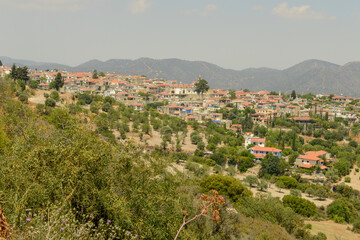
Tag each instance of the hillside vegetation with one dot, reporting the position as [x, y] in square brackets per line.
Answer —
[62, 180]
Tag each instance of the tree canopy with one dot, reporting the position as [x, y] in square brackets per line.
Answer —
[201, 86]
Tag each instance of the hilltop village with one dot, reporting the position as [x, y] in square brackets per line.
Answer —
[303, 149]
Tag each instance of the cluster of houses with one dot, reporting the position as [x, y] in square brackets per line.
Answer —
[307, 161]
[185, 103]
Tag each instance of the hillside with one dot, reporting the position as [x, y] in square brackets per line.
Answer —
[309, 76]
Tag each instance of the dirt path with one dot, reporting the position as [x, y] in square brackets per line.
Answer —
[333, 231]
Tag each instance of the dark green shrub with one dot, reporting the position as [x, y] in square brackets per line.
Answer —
[300, 205]
[225, 185]
[50, 102]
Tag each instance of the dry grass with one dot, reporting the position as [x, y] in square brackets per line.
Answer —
[333, 231]
[355, 181]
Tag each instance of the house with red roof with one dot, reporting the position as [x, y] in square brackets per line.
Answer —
[261, 152]
[311, 159]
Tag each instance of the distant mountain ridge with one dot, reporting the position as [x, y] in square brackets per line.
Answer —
[313, 76]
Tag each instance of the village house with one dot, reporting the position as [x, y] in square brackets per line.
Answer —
[312, 158]
[261, 152]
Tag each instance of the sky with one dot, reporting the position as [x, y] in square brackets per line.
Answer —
[234, 34]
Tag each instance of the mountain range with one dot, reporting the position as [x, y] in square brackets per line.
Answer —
[315, 76]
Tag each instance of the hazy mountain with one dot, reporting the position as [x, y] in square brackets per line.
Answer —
[309, 76]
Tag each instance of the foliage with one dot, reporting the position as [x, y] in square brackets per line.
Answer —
[33, 84]
[23, 97]
[299, 205]
[87, 98]
[321, 193]
[343, 209]
[272, 165]
[251, 180]
[201, 86]
[50, 102]
[106, 107]
[289, 182]
[226, 185]
[55, 95]
[58, 82]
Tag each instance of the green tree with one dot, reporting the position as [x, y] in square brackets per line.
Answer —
[201, 86]
[293, 94]
[146, 128]
[55, 95]
[272, 165]
[262, 185]
[1, 63]
[321, 193]
[101, 74]
[251, 180]
[309, 191]
[232, 94]
[341, 208]
[106, 107]
[332, 174]
[58, 82]
[13, 73]
[301, 206]
[19, 73]
[50, 102]
[33, 84]
[23, 97]
[225, 185]
[95, 74]
[289, 182]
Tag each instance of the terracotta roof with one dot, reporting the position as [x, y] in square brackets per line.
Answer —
[306, 165]
[265, 149]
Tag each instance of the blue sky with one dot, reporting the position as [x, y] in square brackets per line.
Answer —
[233, 34]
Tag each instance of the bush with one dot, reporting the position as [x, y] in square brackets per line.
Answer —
[225, 185]
[46, 95]
[356, 226]
[94, 108]
[55, 95]
[341, 210]
[50, 102]
[295, 192]
[244, 163]
[347, 179]
[23, 97]
[219, 158]
[33, 84]
[180, 156]
[289, 182]
[251, 180]
[106, 107]
[81, 102]
[301, 206]
[321, 193]
[86, 98]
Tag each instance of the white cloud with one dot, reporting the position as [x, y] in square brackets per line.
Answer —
[139, 6]
[301, 12]
[209, 9]
[258, 8]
